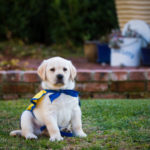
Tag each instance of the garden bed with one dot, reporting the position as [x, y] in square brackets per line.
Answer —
[79, 62]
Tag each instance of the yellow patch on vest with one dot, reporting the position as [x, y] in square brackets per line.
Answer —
[36, 99]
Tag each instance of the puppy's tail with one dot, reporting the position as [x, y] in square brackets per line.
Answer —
[15, 133]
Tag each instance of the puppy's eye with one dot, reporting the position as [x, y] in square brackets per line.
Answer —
[52, 69]
[65, 69]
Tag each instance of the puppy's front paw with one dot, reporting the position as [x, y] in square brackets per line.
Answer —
[56, 138]
[31, 136]
[81, 134]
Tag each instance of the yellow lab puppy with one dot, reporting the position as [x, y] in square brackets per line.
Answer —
[57, 106]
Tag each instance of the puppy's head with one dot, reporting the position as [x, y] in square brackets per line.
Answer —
[57, 73]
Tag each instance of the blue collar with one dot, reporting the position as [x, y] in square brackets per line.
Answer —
[56, 93]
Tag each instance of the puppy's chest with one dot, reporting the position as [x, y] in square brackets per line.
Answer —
[64, 108]
[64, 117]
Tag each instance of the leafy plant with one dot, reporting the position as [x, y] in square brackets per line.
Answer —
[131, 33]
[116, 37]
[9, 64]
[115, 40]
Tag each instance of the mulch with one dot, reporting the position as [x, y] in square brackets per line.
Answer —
[80, 63]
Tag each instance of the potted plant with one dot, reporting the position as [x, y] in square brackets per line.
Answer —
[103, 50]
[125, 50]
[90, 50]
[146, 55]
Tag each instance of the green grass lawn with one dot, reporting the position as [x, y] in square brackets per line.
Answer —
[110, 124]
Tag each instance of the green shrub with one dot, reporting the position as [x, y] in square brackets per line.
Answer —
[56, 21]
[19, 19]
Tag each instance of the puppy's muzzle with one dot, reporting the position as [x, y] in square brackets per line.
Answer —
[59, 79]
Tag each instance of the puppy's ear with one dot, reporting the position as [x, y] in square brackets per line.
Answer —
[73, 71]
[42, 70]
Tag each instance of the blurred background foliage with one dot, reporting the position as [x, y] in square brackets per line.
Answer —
[56, 21]
[39, 29]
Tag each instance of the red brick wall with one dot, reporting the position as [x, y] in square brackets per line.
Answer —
[90, 83]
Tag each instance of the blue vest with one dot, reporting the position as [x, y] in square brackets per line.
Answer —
[54, 95]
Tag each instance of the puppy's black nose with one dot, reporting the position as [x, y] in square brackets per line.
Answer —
[60, 76]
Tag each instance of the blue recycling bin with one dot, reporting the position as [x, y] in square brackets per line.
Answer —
[103, 53]
[146, 56]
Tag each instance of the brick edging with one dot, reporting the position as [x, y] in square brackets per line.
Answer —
[121, 83]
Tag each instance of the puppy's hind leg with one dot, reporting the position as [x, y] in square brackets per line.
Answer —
[27, 125]
[15, 133]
